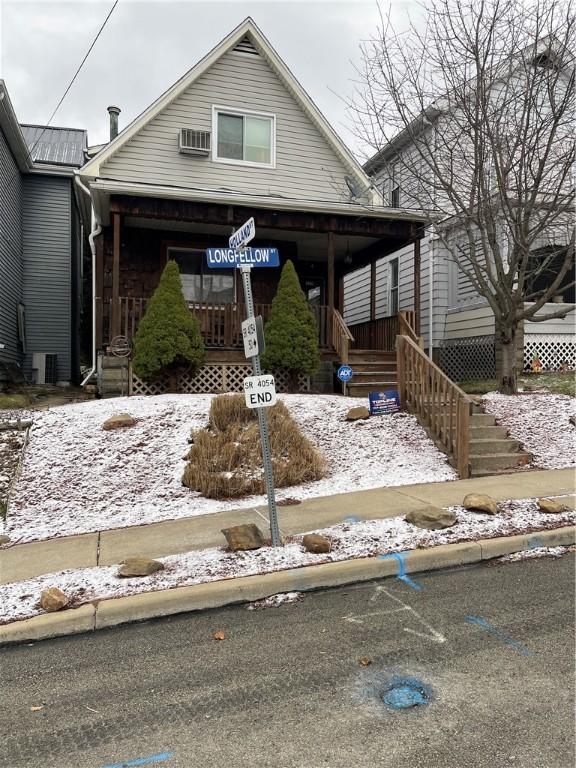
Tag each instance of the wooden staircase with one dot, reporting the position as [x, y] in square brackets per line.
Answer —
[490, 450]
[374, 370]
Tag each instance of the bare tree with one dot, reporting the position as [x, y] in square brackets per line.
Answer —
[478, 96]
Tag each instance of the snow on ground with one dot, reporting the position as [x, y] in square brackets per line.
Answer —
[540, 422]
[369, 538]
[537, 552]
[283, 598]
[77, 478]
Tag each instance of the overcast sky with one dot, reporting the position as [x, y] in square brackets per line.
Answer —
[148, 44]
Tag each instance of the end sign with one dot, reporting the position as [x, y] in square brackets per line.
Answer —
[259, 391]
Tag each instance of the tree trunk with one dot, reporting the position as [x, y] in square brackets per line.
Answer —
[506, 357]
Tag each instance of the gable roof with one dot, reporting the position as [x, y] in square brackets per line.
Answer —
[247, 34]
[12, 131]
[56, 146]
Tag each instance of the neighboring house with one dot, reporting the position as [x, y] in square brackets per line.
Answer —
[456, 323]
[235, 137]
[40, 247]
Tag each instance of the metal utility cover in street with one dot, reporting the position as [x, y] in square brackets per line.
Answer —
[224, 258]
[243, 234]
[253, 336]
[259, 391]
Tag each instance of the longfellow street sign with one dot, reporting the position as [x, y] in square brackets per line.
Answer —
[224, 258]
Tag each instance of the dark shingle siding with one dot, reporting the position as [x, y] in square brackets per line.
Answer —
[57, 146]
[10, 253]
[47, 269]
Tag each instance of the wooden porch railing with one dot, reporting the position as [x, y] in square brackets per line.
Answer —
[341, 336]
[376, 334]
[436, 401]
[220, 324]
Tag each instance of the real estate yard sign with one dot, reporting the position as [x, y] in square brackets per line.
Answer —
[384, 402]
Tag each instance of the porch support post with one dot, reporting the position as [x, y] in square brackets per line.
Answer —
[417, 270]
[99, 267]
[331, 270]
[115, 308]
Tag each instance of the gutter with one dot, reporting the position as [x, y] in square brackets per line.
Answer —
[96, 229]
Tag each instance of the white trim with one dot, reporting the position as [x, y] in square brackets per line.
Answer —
[247, 28]
[224, 110]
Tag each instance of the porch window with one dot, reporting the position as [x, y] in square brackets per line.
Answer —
[246, 138]
[199, 283]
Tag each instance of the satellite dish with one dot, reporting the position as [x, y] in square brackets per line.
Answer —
[352, 186]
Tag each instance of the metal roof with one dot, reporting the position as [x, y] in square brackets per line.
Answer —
[57, 146]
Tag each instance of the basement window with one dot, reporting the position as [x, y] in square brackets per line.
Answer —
[246, 138]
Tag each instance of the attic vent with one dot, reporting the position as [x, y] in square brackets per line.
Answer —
[194, 142]
[245, 46]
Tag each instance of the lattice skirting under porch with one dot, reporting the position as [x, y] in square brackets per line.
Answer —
[470, 358]
[213, 378]
[555, 351]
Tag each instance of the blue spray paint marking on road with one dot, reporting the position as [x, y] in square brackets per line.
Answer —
[405, 693]
[402, 575]
[351, 519]
[535, 542]
[480, 622]
[150, 760]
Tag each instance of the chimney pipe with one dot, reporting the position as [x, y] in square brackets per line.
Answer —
[113, 112]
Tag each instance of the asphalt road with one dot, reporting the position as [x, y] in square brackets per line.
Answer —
[490, 648]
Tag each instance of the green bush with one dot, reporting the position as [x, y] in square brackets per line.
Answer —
[291, 333]
[168, 339]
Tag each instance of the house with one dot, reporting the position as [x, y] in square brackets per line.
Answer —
[236, 137]
[40, 250]
[456, 322]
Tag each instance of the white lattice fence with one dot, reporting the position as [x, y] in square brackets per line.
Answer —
[470, 358]
[554, 350]
[222, 377]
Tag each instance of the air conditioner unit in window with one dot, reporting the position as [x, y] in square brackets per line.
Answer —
[194, 142]
[44, 368]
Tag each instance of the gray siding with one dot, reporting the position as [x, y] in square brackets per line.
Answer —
[10, 254]
[47, 269]
[307, 167]
[558, 325]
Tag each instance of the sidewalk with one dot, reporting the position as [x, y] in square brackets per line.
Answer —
[23, 561]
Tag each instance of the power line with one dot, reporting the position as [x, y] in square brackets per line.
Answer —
[70, 84]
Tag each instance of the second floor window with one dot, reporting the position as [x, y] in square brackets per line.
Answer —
[244, 138]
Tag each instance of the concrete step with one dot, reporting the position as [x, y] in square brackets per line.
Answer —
[493, 447]
[487, 433]
[487, 464]
[482, 420]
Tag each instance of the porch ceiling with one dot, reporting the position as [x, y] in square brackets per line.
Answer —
[312, 246]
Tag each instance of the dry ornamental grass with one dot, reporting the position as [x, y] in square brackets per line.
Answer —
[225, 460]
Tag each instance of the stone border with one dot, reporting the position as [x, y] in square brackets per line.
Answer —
[215, 594]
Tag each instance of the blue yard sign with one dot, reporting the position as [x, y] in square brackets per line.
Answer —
[384, 402]
[224, 258]
[345, 373]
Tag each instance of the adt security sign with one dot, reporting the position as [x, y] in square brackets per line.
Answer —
[345, 373]
[259, 391]
[243, 235]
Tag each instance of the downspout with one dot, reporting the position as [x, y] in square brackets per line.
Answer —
[431, 241]
[96, 229]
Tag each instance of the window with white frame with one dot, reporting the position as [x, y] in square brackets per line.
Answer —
[243, 137]
[393, 287]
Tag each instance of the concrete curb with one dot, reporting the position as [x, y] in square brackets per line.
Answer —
[216, 594]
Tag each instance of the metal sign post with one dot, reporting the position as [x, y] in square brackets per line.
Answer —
[245, 270]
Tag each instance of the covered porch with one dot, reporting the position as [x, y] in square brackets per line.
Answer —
[141, 233]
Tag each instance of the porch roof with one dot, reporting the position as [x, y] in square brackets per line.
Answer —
[103, 189]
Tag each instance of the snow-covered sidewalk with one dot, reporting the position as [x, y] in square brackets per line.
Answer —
[349, 540]
[77, 478]
[540, 421]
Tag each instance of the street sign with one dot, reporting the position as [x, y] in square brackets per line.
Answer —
[253, 336]
[243, 235]
[345, 373]
[384, 402]
[224, 258]
[259, 391]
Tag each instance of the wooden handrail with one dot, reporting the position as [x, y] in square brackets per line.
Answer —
[436, 401]
[341, 336]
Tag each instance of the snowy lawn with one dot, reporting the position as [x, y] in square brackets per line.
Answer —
[77, 478]
[369, 538]
[540, 421]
